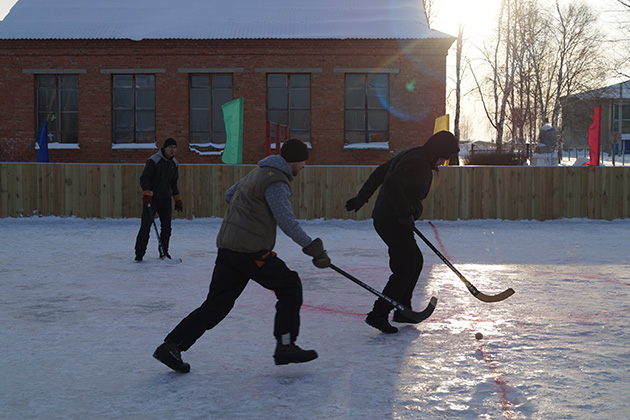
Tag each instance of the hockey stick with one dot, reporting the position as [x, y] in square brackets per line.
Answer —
[407, 312]
[160, 246]
[472, 289]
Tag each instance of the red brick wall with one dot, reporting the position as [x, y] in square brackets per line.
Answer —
[417, 92]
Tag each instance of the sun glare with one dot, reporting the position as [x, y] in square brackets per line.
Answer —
[477, 16]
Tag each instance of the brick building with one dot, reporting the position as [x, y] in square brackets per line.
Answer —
[358, 80]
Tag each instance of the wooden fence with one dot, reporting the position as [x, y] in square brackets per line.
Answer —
[464, 192]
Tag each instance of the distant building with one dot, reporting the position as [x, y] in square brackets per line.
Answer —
[577, 114]
[358, 80]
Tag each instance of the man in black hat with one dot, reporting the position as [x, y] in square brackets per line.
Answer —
[405, 181]
[257, 204]
[159, 184]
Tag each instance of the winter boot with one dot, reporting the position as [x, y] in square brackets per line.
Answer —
[169, 354]
[138, 258]
[380, 322]
[291, 353]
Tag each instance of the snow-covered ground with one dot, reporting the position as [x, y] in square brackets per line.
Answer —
[606, 159]
[80, 320]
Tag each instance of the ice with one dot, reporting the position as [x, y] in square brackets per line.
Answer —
[80, 321]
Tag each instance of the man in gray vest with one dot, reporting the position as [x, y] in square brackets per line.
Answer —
[257, 204]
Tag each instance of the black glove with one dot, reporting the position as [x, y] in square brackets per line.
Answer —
[355, 203]
[407, 221]
[316, 250]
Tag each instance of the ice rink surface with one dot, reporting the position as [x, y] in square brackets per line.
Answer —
[79, 322]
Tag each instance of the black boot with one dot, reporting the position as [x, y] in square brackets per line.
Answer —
[169, 354]
[291, 353]
[380, 322]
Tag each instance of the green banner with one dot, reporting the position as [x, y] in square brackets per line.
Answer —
[233, 118]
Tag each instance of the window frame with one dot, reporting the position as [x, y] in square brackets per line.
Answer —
[621, 109]
[215, 134]
[294, 108]
[369, 108]
[135, 109]
[58, 132]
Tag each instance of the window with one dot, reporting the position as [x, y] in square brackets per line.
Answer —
[207, 94]
[134, 108]
[58, 100]
[622, 111]
[289, 103]
[366, 117]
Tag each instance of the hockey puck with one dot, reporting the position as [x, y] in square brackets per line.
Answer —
[478, 336]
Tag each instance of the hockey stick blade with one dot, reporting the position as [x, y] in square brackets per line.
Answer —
[407, 312]
[171, 260]
[420, 316]
[494, 298]
[471, 288]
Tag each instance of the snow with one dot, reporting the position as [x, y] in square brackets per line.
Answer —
[80, 321]
[203, 19]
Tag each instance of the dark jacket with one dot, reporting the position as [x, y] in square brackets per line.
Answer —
[405, 179]
[160, 176]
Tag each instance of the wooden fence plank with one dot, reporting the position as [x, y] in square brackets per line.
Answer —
[4, 189]
[468, 192]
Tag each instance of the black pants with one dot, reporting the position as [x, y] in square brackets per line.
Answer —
[161, 206]
[405, 262]
[232, 272]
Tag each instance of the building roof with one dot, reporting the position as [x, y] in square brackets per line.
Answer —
[616, 91]
[217, 19]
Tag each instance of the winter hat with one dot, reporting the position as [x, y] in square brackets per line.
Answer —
[169, 142]
[294, 150]
[441, 145]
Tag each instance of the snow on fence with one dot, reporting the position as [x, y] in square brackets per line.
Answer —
[464, 192]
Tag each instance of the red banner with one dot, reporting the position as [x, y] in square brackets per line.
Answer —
[594, 137]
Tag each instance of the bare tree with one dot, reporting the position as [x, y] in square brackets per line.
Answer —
[535, 58]
[430, 11]
[458, 86]
[578, 41]
[504, 57]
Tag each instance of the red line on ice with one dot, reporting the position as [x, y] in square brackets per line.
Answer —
[499, 381]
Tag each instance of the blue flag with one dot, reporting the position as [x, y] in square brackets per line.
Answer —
[42, 142]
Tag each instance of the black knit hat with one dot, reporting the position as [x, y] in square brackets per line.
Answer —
[441, 145]
[294, 150]
[169, 142]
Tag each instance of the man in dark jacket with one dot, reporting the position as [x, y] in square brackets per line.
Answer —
[257, 204]
[159, 184]
[405, 181]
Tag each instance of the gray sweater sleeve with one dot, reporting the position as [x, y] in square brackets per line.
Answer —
[278, 196]
[229, 193]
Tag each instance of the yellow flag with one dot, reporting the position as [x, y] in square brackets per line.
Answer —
[441, 124]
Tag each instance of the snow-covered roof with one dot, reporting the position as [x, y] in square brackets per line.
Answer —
[617, 91]
[217, 19]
